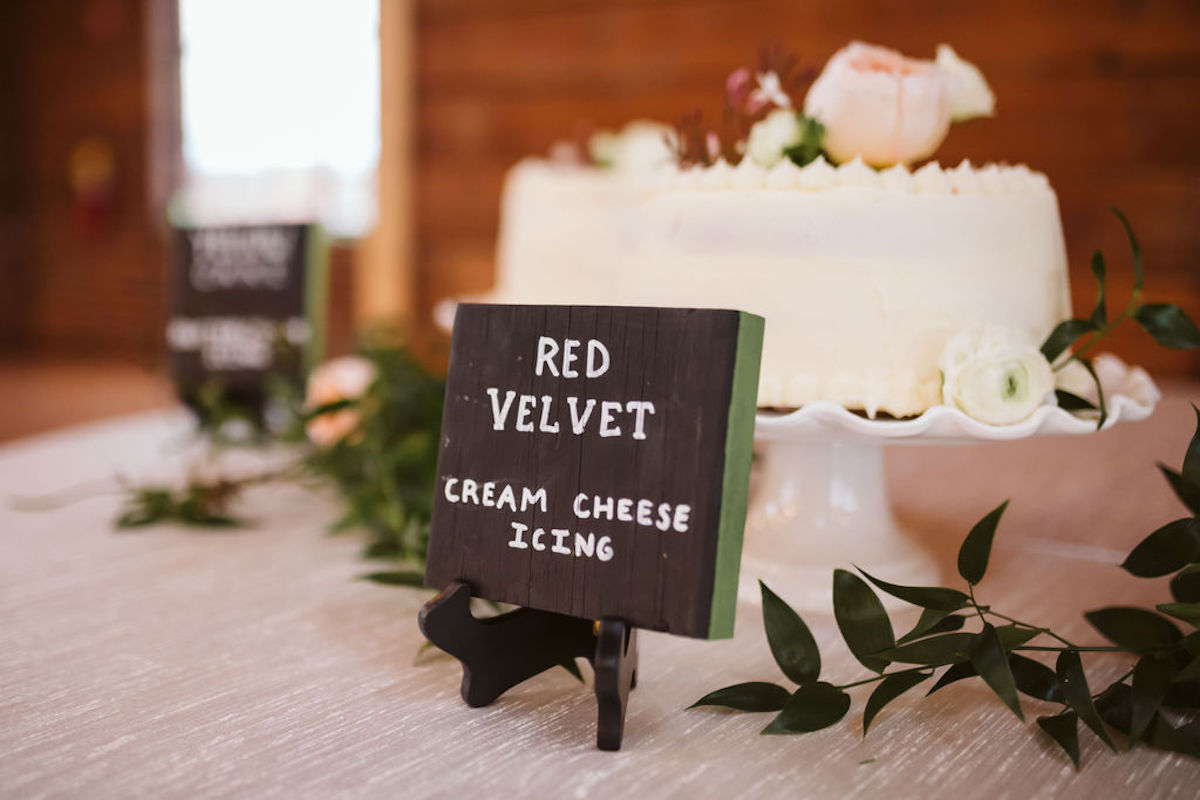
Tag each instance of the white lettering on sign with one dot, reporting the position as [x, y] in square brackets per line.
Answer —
[251, 258]
[531, 407]
[643, 512]
[548, 348]
[228, 343]
[585, 545]
[467, 490]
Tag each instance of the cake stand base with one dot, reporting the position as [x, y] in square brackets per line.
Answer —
[819, 506]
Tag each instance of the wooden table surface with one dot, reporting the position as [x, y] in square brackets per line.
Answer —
[178, 663]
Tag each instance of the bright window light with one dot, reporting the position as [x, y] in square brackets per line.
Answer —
[280, 110]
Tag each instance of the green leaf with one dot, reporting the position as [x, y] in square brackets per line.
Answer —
[938, 598]
[1064, 335]
[1102, 405]
[1185, 587]
[1079, 697]
[1189, 496]
[812, 137]
[977, 547]
[1189, 475]
[1064, 730]
[1135, 628]
[955, 673]
[1013, 636]
[932, 622]
[861, 619]
[928, 619]
[1183, 694]
[1163, 736]
[1073, 402]
[1100, 314]
[934, 651]
[1171, 547]
[812, 707]
[991, 662]
[1188, 612]
[1133, 247]
[1168, 325]
[791, 642]
[1035, 679]
[1114, 706]
[1191, 672]
[888, 690]
[753, 696]
[1151, 679]
[409, 578]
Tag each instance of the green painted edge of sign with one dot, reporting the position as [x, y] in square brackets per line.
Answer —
[735, 485]
[316, 293]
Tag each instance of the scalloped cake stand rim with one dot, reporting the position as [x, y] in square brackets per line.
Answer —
[1132, 397]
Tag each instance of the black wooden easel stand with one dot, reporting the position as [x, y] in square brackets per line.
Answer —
[499, 652]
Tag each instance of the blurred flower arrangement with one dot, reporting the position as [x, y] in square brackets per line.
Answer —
[367, 426]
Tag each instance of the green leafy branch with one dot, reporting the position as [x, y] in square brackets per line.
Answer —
[384, 469]
[1164, 681]
[1166, 323]
[200, 503]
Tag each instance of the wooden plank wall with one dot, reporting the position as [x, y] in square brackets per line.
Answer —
[81, 72]
[1103, 96]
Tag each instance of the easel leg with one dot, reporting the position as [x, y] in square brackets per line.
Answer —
[499, 652]
[616, 674]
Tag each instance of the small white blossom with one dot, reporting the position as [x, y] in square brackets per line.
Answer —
[770, 91]
[772, 135]
[971, 97]
[995, 374]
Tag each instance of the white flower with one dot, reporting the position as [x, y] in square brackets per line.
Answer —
[995, 374]
[346, 378]
[640, 146]
[770, 91]
[890, 109]
[972, 96]
[772, 135]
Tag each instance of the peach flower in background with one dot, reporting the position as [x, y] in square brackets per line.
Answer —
[346, 378]
[890, 109]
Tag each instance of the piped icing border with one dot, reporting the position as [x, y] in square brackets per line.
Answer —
[820, 175]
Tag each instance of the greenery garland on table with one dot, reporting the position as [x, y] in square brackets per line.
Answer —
[1146, 704]
[383, 468]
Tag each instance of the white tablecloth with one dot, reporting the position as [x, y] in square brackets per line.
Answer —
[183, 663]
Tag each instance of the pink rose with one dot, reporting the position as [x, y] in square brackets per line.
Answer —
[885, 107]
[346, 378]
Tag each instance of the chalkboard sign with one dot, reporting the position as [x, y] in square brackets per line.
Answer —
[246, 302]
[594, 461]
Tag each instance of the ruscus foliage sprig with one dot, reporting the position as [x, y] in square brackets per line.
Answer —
[1147, 704]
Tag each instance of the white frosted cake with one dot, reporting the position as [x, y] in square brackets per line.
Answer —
[564, 222]
[868, 275]
[861, 275]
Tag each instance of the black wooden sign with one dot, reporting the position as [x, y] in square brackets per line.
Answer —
[246, 302]
[594, 461]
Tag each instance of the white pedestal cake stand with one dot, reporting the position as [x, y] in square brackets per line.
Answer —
[821, 499]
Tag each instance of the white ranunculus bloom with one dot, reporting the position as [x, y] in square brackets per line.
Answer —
[772, 135]
[345, 378]
[972, 96]
[995, 374]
